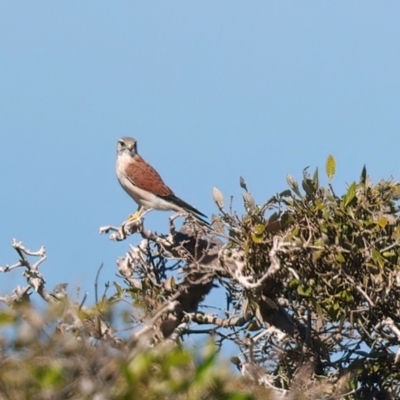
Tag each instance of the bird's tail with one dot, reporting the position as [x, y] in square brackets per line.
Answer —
[199, 216]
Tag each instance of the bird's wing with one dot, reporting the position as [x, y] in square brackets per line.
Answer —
[145, 177]
[180, 203]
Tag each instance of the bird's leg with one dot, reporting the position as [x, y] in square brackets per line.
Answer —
[137, 215]
[145, 212]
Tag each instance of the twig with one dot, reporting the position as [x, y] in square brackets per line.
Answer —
[96, 281]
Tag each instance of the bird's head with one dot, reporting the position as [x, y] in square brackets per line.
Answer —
[127, 145]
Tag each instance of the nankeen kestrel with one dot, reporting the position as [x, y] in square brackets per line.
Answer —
[143, 183]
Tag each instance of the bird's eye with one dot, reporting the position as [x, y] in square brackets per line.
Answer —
[121, 143]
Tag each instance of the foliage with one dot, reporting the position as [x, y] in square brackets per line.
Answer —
[53, 354]
[311, 289]
[334, 292]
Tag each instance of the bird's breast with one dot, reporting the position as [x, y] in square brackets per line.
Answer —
[142, 197]
[120, 169]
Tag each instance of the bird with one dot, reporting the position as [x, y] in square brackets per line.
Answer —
[144, 184]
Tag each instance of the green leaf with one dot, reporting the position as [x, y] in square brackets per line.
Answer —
[119, 288]
[353, 381]
[256, 238]
[205, 368]
[141, 364]
[382, 222]
[285, 193]
[316, 255]
[49, 376]
[350, 195]
[177, 358]
[293, 234]
[346, 296]
[242, 183]
[304, 291]
[377, 257]
[339, 257]
[294, 283]
[308, 187]
[333, 310]
[257, 234]
[259, 229]
[363, 177]
[7, 317]
[330, 167]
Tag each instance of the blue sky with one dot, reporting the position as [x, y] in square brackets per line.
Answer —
[211, 91]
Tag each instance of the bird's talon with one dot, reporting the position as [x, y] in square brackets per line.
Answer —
[133, 217]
